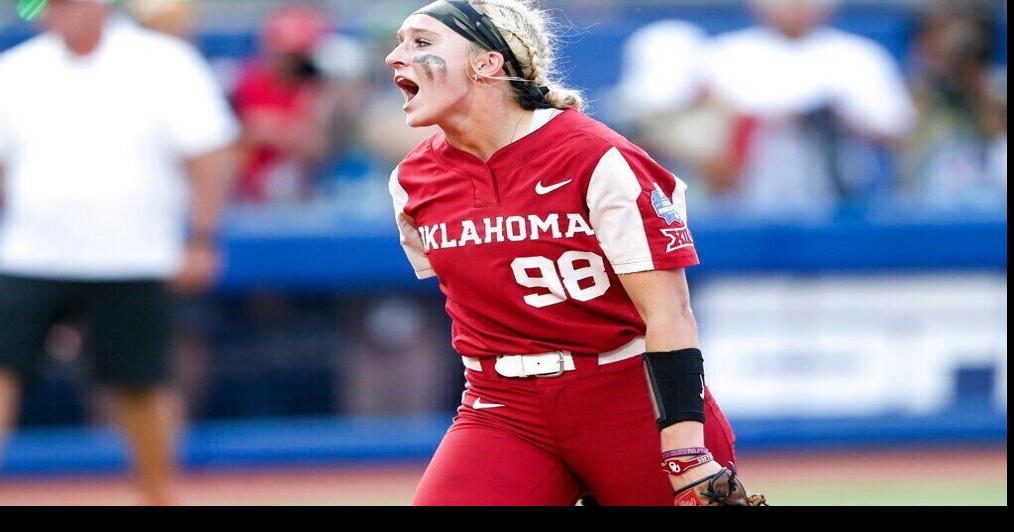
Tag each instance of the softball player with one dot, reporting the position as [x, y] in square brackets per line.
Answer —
[560, 247]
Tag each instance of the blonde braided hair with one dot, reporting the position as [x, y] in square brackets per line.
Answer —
[528, 31]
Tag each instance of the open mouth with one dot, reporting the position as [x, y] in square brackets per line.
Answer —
[409, 88]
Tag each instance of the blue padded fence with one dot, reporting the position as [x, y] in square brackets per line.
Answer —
[349, 262]
[352, 440]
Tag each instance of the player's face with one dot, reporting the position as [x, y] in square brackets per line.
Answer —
[75, 20]
[430, 67]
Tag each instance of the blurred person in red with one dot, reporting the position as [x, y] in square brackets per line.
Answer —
[115, 160]
[292, 100]
[789, 116]
[956, 158]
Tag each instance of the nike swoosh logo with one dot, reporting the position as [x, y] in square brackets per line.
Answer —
[479, 405]
[542, 190]
[702, 387]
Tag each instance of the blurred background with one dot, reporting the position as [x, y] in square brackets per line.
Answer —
[848, 193]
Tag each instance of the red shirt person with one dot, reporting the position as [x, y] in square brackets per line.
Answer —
[280, 97]
[561, 253]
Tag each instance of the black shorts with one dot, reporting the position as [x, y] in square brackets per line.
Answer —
[127, 327]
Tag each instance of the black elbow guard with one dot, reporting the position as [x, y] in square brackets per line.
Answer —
[677, 383]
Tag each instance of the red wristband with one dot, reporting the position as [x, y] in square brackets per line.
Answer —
[678, 466]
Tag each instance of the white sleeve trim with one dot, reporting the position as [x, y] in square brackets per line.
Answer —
[612, 203]
[411, 242]
[634, 267]
[425, 274]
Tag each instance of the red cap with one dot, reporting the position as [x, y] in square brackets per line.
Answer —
[294, 29]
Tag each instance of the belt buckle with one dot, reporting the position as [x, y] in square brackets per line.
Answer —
[562, 361]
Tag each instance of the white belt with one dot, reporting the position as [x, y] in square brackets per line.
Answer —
[552, 364]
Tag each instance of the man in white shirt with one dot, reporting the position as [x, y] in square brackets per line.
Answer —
[102, 126]
[783, 119]
[818, 101]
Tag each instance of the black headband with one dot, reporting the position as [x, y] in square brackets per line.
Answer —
[466, 21]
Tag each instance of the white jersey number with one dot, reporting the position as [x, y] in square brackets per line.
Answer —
[567, 282]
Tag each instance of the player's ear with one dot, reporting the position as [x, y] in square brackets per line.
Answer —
[487, 64]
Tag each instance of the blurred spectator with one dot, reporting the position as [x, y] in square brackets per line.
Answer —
[297, 102]
[95, 200]
[957, 157]
[652, 83]
[191, 348]
[790, 115]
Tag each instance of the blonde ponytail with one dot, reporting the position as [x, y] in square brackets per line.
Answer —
[563, 98]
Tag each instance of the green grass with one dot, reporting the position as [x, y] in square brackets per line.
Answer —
[945, 492]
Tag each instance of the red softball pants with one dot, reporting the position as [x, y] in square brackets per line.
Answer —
[546, 441]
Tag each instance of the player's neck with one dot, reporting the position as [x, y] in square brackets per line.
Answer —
[489, 130]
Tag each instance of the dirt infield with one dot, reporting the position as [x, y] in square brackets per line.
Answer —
[899, 477]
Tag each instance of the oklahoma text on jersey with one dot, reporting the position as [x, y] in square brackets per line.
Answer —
[500, 229]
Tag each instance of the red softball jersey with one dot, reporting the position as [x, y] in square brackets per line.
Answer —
[527, 247]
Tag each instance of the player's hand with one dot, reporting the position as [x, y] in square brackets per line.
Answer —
[721, 488]
[201, 265]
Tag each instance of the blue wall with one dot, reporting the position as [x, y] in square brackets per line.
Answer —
[343, 262]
